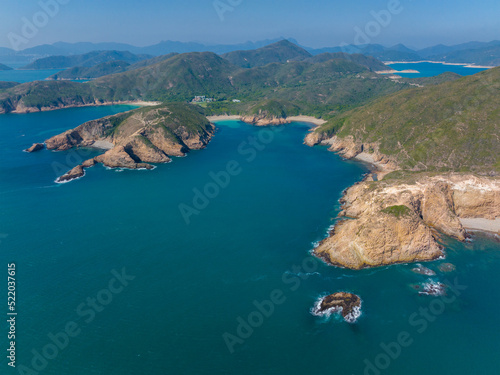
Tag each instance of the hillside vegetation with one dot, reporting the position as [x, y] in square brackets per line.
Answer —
[96, 71]
[106, 68]
[282, 52]
[316, 87]
[450, 126]
[85, 60]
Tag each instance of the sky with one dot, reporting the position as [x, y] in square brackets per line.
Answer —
[314, 23]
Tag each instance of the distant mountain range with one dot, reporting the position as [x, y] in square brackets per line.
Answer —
[280, 52]
[4, 67]
[481, 53]
[473, 53]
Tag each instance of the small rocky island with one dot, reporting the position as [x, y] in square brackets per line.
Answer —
[36, 147]
[136, 138]
[347, 304]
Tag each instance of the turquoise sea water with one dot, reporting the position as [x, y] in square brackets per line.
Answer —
[193, 283]
[427, 69]
[23, 76]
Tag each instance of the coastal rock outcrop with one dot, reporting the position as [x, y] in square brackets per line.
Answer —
[73, 174]
[138, 137]
[264, 120]
[348, 148]
[397, 221]
[315, 138]
[348, 304]
[36, 147]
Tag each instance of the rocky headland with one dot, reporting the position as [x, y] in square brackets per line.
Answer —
[137, 138]
[400, 221]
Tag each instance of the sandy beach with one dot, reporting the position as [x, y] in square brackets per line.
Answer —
[223, 118]
[104, 145]
[141, 103]
[380, 169]
[482, 224]
[310, 119]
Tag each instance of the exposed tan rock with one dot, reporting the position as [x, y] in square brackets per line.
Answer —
[139, 137]
[141, 149]
[36, 147]
[89, 163]
[314, 138]
[119, 158]
[393, 222]
[376, 240]
[263, 120]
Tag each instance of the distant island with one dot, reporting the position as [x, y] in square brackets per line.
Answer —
[476, 53]
[5, 67]
[432, 142]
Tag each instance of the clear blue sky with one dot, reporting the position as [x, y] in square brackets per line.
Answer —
[314, 23]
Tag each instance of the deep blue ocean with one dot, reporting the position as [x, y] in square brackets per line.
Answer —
[427, 69]
[112, 280]
[23, 76]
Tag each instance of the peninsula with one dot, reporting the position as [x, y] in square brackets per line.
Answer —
[433, 142]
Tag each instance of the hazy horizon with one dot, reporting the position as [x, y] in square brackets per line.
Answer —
[252, 41]
[322, 24]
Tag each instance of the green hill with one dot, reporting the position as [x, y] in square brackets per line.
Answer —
[7, 85]
[179, 78]
[154, 60]
[86, 60]
[367, 61]
[450, 126]
[489, 56]
[279, 52]
[317, 88]
[107, 68]
[97, 71]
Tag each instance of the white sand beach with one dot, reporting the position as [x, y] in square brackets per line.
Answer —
[310, 119]
[223, 118]
[482, 224]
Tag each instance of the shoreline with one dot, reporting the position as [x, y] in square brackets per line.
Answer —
[407, 71]
[139, 103]
[309, 119]
[350, 244]
[481, 225]
[376, 169]
[465, 65]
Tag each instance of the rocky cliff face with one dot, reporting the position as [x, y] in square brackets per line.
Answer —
[397, 221]
[264, 120]
[138, 137]
[348, 148]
